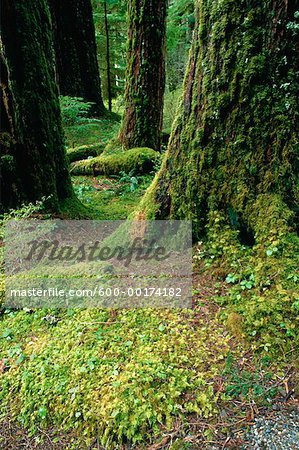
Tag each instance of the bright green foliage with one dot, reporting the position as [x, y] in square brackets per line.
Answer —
[247, 383]
[91, 131]
[180, 25]
[129, 180]
[74, 110]
[25, 212]
[130, 376]
[137, 160]
[116, 381]
[262, 284]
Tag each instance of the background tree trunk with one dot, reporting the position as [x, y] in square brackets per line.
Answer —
[145, 80]
[234, 146]
[34, 161]
[108, 57]
[75, 49]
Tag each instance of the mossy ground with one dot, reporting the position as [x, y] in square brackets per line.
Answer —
[94, 132]
[154, 379]
[109, 198]
[120, 379]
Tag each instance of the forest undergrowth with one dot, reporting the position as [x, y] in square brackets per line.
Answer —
[145, 378]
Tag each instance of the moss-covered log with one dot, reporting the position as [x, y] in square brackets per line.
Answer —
[75, 50]
[84, 152]
[136, 160]
[234, 146]
[145, 79]
[33, 158]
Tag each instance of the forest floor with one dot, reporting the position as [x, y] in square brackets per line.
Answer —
[164, 379]
[178, 379]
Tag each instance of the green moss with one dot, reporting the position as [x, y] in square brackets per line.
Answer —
[72, 208]
[113, 146]
[109, 198]
[148, 208]
[137, 160]
[236, 134]
[262, 280]
[91, 132]
[117, 381]
[84, 151]
[232, 161]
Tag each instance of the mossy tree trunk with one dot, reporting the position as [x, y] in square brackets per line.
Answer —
[234, 145]
[145, 79]
[77, 67]
[33, 157]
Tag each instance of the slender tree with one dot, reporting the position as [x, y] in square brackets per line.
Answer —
[77, 68]
[33, 161]
[108, 56]
[234, 145]
[145, 80]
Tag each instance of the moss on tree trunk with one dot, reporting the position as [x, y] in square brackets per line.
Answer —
[33, 158]
[234, 145]
[77, 68]
[142, 123]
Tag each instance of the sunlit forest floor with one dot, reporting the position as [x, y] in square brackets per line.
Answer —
[141, 379]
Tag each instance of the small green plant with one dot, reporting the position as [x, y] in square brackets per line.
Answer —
[262, 282]
[74, 110]
[245, 383]
[24, 212]
[81, 191]
[129, 180]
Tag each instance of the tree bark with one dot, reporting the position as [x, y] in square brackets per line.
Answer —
[33, 157]
[234, 145]
[145, 78]
[108, 57]
[75, 49]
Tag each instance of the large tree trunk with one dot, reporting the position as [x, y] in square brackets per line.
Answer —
[33, 157]
[75, 48]
[145, 80]
[234, 145]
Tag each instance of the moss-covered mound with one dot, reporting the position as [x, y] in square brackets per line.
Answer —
[84, 151]
[117, 379]
[139, 160]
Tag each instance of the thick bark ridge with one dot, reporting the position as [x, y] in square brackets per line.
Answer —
[142, 124]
